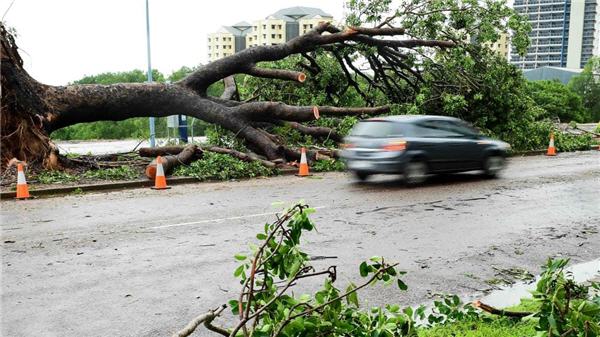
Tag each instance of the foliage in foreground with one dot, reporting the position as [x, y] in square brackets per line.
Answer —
[216, 166]
[502, 327]
[566, 307]
[267, 306]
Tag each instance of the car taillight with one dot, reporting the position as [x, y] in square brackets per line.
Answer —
[398, 145]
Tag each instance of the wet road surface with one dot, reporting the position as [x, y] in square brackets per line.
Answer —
[143, 262]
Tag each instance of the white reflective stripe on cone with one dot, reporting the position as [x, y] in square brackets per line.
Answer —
[21, 178]
[303, 158]
[159, 170]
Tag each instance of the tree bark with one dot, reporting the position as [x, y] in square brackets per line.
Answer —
[153, 152]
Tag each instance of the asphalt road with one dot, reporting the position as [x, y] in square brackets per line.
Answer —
[143, 262]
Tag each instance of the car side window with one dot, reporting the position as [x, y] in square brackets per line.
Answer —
[436, 129]
[461, 128]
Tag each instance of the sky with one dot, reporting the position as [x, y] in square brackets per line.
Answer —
[63, 40]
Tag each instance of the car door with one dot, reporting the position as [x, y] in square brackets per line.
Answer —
[464, 148]
[437, 144]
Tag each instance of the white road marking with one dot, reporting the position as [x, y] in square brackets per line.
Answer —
[222, 219]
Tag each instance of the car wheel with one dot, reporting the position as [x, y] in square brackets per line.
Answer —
[493, 165]
[362, 176]
[415, 172]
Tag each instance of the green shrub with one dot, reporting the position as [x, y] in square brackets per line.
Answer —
[216, 166]
[115, 173]
[325, 165]
[536, 136]
[221, 137]
[566, 142]
[55, 177]
[497, 328]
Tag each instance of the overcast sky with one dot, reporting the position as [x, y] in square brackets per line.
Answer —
[63, 40]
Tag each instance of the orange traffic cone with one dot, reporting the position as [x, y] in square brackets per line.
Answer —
[303, 172]
[22, 189]
[551, 148]
[160, 181]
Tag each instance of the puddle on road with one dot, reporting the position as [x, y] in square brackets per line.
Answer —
[511, 295]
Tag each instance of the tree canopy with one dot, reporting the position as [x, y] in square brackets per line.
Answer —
[587, 85]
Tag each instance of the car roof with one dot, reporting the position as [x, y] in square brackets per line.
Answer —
[412, 118]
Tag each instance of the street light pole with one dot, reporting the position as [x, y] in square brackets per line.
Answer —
[152, 129]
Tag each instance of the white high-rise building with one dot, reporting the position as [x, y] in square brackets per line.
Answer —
[565, 33]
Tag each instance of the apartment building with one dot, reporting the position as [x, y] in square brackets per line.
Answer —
[500, 46]
[565, 33]
[227, 40]
[274, 29]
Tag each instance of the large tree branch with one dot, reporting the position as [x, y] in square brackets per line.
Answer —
[280, 74]
[230, 91]
[238, 62]
[316, 131]
[90, 103]
[265, 111]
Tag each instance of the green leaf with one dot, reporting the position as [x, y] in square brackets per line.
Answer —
[240, 257]
[238, 271]
[261, 236]
[402, 285]
[353, 297]
[364, 269]
[234, 305]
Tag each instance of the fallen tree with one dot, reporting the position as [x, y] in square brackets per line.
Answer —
[32, 110]
[417, 52]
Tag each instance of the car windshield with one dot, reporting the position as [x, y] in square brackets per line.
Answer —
[377, 129]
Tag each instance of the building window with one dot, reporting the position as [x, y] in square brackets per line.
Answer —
[255, 27]
[311, 25]
[278, 26]
[264, 36]
[272, 26]
[279, 36]
[209, 39]
[216, 39]
[272, 36]
[265, 27]
[208, 47]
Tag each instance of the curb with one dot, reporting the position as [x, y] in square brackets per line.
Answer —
[178, 181]
[527, 153]
[113, 186]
